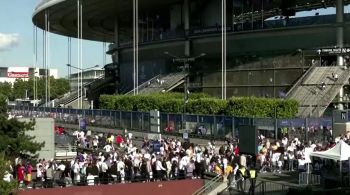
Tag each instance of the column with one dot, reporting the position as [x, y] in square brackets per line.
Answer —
[186, 16]
[116, 54]
[340, 42]
[115, 57]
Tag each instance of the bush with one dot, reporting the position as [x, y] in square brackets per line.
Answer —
[206, 106]
[202, 104]
[261, 107]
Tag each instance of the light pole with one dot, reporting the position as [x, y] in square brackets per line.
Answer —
[80, 84]
[185, 70]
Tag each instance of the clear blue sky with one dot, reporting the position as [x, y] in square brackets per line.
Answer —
[16, 39]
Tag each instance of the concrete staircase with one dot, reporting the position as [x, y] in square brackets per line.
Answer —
[162, 83]
[313, 100]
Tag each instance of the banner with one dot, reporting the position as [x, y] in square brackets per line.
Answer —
[18, 74]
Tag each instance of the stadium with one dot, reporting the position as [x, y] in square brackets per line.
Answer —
[222, 48]
[264, 52]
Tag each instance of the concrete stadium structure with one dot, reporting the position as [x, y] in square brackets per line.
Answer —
[281, 57]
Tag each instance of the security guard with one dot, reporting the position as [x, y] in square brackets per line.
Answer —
[253, 174]
[241, 175]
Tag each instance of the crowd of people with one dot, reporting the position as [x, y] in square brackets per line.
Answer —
[116, 158]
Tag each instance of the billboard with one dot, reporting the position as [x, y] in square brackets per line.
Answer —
[18, 72]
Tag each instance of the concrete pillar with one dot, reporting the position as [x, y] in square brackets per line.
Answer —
[340, 42]
[186, 17]
[116, 54]
[116, 40]
[186, 14]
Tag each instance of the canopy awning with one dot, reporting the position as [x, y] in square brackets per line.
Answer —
[341, 151]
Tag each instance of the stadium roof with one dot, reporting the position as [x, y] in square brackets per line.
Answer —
[99, 15]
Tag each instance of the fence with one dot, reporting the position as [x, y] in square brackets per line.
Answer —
[212, 126]
[309, 179]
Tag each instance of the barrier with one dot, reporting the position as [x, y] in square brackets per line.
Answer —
[309, 179]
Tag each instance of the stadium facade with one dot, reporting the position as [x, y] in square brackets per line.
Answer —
[236, 51]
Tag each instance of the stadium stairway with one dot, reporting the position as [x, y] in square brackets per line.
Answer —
[312, 98]
[71, 97]
[161, 83]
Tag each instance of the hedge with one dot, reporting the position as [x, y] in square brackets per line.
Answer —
[202, 104]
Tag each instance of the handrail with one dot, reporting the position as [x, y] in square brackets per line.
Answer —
[229, 186]
[143, 84]
[301, 79]
[208, 185]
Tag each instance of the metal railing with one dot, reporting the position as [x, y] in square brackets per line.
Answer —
[211, 185]
[198, 126]
[144, 84]
[269, 187]
[309, 179]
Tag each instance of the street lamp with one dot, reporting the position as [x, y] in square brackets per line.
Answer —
[185, 70]
[80, 79]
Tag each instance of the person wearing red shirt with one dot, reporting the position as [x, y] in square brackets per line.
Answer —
[236, 150]
[20, 173]
[119, 139]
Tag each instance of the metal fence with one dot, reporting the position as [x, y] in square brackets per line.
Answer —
[309, 179]
[172, 123]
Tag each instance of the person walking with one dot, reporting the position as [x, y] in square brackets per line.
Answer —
[253, 174]
[241, 176]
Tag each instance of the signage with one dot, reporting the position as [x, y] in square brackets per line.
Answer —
[17, 74]
[82, 124]
[336, 51]
[343, 115]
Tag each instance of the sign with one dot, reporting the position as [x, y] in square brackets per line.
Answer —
[334, 51]
[82, 124]
[185, 135]
[18, 74]
[343, 115]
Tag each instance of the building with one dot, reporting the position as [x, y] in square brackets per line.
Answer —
[10, 74]
[240, 54]
[89, 76]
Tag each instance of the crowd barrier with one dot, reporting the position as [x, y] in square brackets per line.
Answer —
[208, 126]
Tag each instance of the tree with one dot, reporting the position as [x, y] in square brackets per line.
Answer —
[21, 88]
[6, 89]
[6, 187]
[14, 140]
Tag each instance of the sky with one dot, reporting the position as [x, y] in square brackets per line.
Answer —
[16, 39]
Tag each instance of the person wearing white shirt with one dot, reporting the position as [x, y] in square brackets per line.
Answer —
[95, 143]
[121, 169]
[76, 170]
[224, 162]
[108, 148]
[90, 180]
[159, 169]
[7, 176]
[104, 168]
[285, 141]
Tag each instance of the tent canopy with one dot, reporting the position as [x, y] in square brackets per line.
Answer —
[341, 151]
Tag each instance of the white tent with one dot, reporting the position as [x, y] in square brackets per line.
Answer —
[341, 152]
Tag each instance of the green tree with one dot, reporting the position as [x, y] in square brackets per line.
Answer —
[14, 140]
[6, 187]
[20, 88]
[58, 87]
[6, 90]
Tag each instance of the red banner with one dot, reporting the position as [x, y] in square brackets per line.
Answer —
[18, 75]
